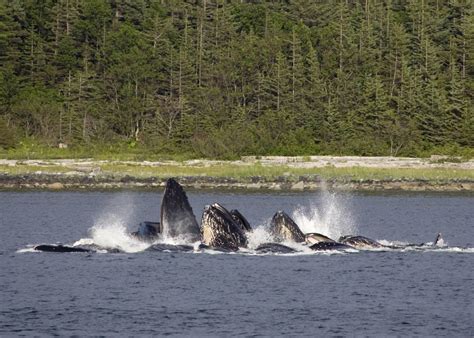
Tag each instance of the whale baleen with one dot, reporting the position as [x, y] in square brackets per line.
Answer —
[177, 217]
[219, 230]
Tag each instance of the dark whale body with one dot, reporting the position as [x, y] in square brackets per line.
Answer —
[219, 230]
[284, 228]
[177, 217]
[325, 246]
[240, 220]
[169, 248]
[60, 248]
[274, 248]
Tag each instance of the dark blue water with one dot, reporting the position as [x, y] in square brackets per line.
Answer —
[396, 293]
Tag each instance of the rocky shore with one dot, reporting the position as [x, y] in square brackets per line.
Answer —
[89, 174]
[61, 181]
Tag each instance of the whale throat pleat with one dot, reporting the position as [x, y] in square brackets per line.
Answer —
[219, 230]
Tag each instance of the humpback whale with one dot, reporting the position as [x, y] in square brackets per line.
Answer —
[177, 217]
[320, 242]
[219, 230]
[240, 220]
[439, 241]
[285, 229]
[314, 237]
[360, 242]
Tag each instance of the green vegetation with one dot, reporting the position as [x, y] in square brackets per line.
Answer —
[118, 151]
[270, 172]
[246, 172]
[148, 79]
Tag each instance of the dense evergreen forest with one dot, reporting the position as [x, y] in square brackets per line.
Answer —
[220, 78]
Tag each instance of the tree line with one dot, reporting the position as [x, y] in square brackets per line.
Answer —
[220, 78]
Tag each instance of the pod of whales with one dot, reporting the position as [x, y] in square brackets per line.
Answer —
[225, 230]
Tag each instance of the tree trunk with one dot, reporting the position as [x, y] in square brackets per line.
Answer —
[201, 42]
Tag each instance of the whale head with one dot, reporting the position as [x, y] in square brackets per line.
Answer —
[219, 230]
[284, 228]
[314, 237]
[177, 217]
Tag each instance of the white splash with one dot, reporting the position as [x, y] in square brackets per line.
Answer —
[331, 218]
[388, 243]
[110, 230]
[26, 250]
[83, 241]
[112, 233]
[439, 242]
[258, 236]
[178, 240]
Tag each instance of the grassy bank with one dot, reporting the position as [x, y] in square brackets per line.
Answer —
[247, 172]
[327, 173]
[118, 152]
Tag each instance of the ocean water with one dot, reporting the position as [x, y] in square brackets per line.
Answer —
[131, 291]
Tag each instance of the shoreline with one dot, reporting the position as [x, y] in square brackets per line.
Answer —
[284, 183]
[268, 173]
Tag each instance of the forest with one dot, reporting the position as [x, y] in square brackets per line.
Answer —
[222, 79]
